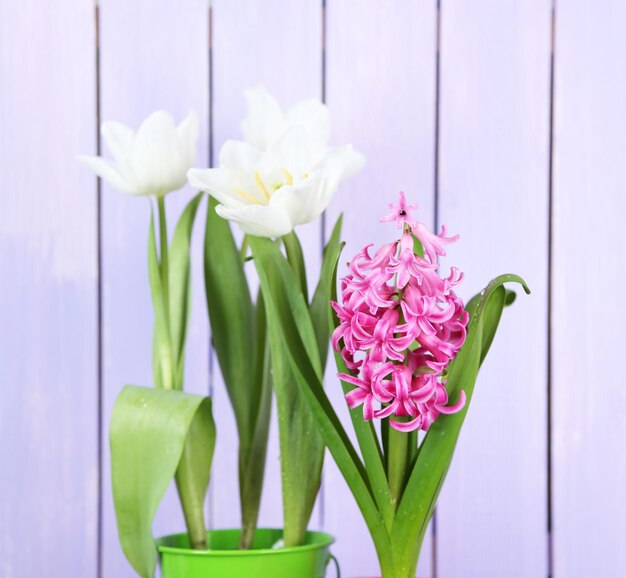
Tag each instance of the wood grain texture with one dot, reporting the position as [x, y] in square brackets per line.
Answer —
[48, 313]
[279, 47]
[589, 205]
[381, 91]
[494, 166]
[153, 56]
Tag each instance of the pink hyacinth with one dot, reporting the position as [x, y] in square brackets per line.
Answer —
[401, 324]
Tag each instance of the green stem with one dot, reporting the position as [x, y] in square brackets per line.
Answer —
[405, 567]
[412, 449]
[398, 457]
[167, 363]
[164, 253]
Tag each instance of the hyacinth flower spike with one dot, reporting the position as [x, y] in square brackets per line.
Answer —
[408, 303]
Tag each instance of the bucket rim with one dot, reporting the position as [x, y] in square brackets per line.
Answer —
[326, 541]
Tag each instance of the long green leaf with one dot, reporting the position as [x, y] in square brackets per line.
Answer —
[491, 327]
[295, 256]
[238, 333]
[364, 430]
[231, 314]
[180, 284]
[323, 292]
[437, 449]
[253, 451]
[301, 446]
[149, 429]
[286, 324]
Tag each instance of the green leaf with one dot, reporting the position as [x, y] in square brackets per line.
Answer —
[301, 446]
[364, 430]
[436, 451]
[231, 313]
[510, 298]
[192, 477]
[149, 429]
[278, 273]
[287, 324]
[239, 338]
[253, 451]
[323, 292]
[293, 248]
[492, 324]
[434, 457]
[180, 285]
[162, 358]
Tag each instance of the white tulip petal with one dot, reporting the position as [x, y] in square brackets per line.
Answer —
[120, 140]
[305, 201]
[260, 220]
[314, 116]
[187, 132]
[265, 120]
[159, 163]
[291, 151]
[240, 156]
[342, 162]
[218, 183]
[105, 170]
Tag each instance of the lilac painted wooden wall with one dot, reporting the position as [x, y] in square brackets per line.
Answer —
[504, 120]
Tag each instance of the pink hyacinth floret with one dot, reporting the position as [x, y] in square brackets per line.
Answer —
[401, 324]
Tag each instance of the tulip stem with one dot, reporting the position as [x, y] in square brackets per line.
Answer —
[164, 253]
[168, 374]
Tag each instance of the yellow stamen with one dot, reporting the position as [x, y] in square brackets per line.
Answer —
[288, 177]
[306, 175]
[261, 185]
[248, 197]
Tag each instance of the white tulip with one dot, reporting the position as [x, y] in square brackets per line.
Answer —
[284, 174]
[268, 192]
[266, 122]
[154, 161]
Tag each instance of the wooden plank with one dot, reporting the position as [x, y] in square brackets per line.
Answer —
[494, 165]
[589, 405]
[154, 55]
[279, 46]
[48, 315]
[381, 90]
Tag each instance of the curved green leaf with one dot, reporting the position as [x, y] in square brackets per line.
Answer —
[149, 429]
[322, 323]
[231, 314]
[290, 328]
[239, 338]
[364, 430]
[491, 325]
[436, 451]
[180, 285]
[301, 446]
[253, 451]
[192, 477]
[295, 256]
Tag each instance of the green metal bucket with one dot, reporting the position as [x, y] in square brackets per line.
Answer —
[223, 559]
